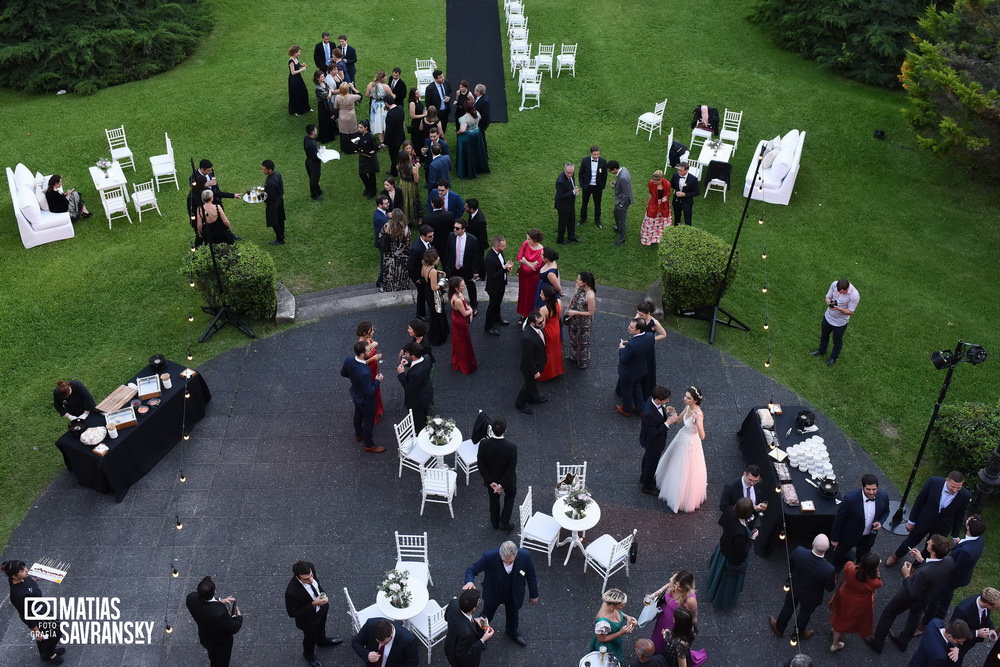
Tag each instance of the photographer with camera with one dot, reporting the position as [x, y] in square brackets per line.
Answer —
[841, 302]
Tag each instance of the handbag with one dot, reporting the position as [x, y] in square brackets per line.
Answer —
[649, 613]
[633, 551]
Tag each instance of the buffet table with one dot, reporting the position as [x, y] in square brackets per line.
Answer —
[756, 450]
[137, 449]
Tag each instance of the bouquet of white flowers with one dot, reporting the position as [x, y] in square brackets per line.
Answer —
[396, 588]
[440, 430]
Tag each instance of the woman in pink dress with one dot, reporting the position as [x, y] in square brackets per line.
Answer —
[678, 592]
[463, 357]
[657, 210]
[681, 474]
[551, 310]
[365, 331]
[529, 259]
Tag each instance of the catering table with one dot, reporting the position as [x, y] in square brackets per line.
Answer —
[137, 449]
[755, 450]
[439, 451]
[115, 178]
[589, 520]
[420, 598]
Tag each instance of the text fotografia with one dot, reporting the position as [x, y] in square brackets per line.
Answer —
[86, 620]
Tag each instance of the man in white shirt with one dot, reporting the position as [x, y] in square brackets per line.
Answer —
[841, 301]
[383, 643]
[593, 178]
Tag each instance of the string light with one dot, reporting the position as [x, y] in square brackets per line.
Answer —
[764, 289]
[166, 627]
[794, 641]
[193, 249]
[179, 524]
[787, 587]
[766, 325]
[187, 436]
[173, 571]
[190, 315]
[190, 354]
[182, 478]
[781, 536]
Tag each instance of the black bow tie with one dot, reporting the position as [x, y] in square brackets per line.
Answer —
[869, 500]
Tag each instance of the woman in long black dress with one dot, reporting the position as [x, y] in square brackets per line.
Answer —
[417, 115]
[434, 283]
[22, 587]
[324, 108]
[298, 96]
[71, 202]
[211, 222]
[728, 569]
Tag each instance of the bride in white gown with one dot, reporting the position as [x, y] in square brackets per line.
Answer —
[681, 474]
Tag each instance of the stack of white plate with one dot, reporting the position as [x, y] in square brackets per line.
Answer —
[811, 457]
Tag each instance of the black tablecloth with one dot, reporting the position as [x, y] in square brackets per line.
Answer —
[756, 450]
[137, 449]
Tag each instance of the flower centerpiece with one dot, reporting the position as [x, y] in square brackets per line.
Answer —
[577, 500]
[440, 429]
[715, 145]
[396, 588]
[103, 164]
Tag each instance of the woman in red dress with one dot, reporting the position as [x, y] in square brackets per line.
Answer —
[529, 259]
[657, 210]
[852, 608]
[551, 310]
[463, 357]
[365, 331]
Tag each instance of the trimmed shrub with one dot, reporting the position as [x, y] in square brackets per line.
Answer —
[692, 262]
[247, 274]
[964, 435]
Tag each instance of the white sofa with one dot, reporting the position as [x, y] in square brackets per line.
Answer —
[37, 224]
[778, 170]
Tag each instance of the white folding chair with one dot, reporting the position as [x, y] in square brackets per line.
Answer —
[515, 6]
[698, 139]
[571, 474]
[730, 132]
[520, 34]
[164, 167]
[519, 56]
[532, 90]
[607, 556]
[429, 626]
[516, 21]
[467, 458]
[115, 204]
[566, 60]
[144, 198]
[437, 485]
[410, 456]
[718, 185]
[411, 555]
[527, 73]
[544, 58]
[539, 531]
[652, 120]
[670, 142]
[119, 147]
[359, 618]
[695, 167]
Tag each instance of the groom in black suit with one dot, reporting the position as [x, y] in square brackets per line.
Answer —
[381, 639]
[414, 373]
[498, 467]
[216, 626]
[656, 419]
[686, 190]
[593, 179]
[496, 268]
[532, 363]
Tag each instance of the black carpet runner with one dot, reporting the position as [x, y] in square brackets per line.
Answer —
[475, 53]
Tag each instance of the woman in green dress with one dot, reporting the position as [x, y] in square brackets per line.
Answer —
[612, 624]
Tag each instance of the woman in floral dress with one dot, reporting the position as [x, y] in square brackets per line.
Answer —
[580, 319]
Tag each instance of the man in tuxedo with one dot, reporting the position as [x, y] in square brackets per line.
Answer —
[482, 104]
[398, 88]
[623, 199]
[811, 575]
[313, 164]
[463, 256]
[451, 200]
[920, 580]
[379, 220]
[942, 645]
[477, 221]
[565, 204]
[350, 57]
[438, 219]
[633, 364]
[362, 391]
[395, 133]
[413, 262]
[496, 269]
[532, 363]
[498, 467]
[322, 53]
[657, 417]
[438, 169]
[858, 519]
[966, 553]
[466, 638]
[686, 190]
[645, 311]
[438, 95]
[593, 178]
[216, 626]
[414, 373]
[274, 206]
[975, 611]
[506, 572]
[307, 603]
[386, 643]
[206, 169]
[939, 508]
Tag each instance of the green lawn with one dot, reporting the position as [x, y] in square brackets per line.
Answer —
[913, 233]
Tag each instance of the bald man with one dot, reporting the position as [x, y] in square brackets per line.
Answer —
[811, 576]
[645, 655]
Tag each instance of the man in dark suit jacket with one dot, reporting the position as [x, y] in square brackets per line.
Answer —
[496, 269]
[498, 467]
[427, 150]
[941, 646]
[363, 389]
[450, 200]
[216, 626]
[965, 554]
[398, 88]
[471, 260]
[975, 611]
[322, 53]
[438, 169]
[743, 487]
[414, 373]
[438, 95]
[477, 222]
[206, 169]
[466, 638]
[811, 575]
[593, 178]
[939, 509]
[307, 603]
[395, 133]
[274, 206]
[633, 363]
[482, 104]
[656, 419]
[313, 164]
[503, 588]
[413, 262]
[565, 204]
[915, 593]
[858, 519]
[381, 639]
[350, 57]
[440, 220]
[686, 190]
[532, 363]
